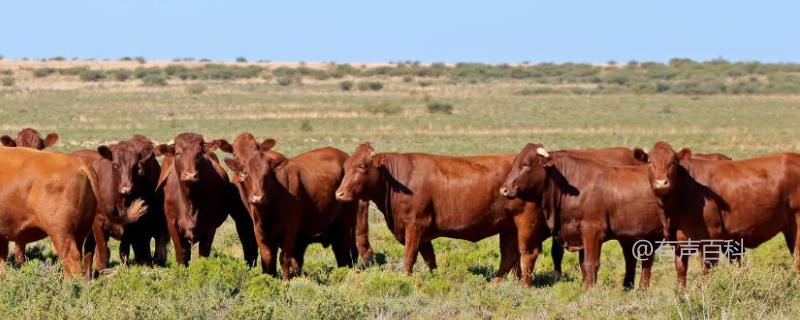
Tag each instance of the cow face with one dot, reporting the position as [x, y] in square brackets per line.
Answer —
[128, 161]
[527, 172]
[243, 148]
[662, 162]
[256, 173]
[361, 173]
[30, 138]
[188, 151]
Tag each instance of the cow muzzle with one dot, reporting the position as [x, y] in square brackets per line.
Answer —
[124, 190]
[255, 199]
[661, 186]
[508, 192]
[343, 196]
[189, 176]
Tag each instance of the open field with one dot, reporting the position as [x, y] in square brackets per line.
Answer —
[488, 116]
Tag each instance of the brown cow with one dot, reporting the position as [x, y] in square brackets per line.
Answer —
[27, 138]
[198, 197]
[30, 138]
[127, 171]
[593, 202]
[746, 200]
[56, 195]
[425, 196]
[293, 205]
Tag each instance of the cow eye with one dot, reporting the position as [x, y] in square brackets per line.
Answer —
[115, 166]
[362, 166]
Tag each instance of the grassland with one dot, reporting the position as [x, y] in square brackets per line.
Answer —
[489, 116]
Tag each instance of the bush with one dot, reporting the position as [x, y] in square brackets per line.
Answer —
[141, 72]
[74, 71]
[373, 85]
[346, 85]
[305, 126]
[7, 81]
[7, 72]
[195, 88]
[285, 81]
[440, 107]
[140, 60]
[121, 74]
[57, 58]
[425, 83]
[155, 80]
[125, 59]
[43, 72]
[241, 59]
[92, 75]
[383, 108]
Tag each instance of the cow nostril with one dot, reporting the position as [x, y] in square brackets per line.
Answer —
[255, 199]
[504, 191]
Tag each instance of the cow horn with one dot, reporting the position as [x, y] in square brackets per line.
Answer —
[542, 152]
[170, 142]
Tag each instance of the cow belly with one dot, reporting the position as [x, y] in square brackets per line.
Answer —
[470, 229]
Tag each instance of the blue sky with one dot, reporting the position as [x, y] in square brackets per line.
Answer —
[380, 31]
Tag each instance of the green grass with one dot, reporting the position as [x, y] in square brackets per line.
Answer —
[489, 117]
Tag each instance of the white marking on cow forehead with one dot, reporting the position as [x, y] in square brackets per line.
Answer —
[542, 152]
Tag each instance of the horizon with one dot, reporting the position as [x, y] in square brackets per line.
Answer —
[360, 31]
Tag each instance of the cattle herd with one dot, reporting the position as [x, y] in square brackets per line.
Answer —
[281, 205]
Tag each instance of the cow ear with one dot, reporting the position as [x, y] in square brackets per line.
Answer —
[210, 147]
[165, 149]
[105, 152]
[640, 154]
[147, 152]
[233, 165]
[50, 140]
[8, 142]
[378, 160]
[267, 144]
[225, 146]
[685, 153]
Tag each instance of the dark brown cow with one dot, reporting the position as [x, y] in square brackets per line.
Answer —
[245, 146]
[52, 194]
[27, 138]
[198, 197]
[127, 171]
[292, 204]
[593, 202]
[425, 196]
[746, 200]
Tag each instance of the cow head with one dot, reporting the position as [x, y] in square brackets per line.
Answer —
[244, 147]
[30, 138]
[188, 150]
[128, 161]
[662, 162]
[361, 173]
[528, 171]
[254, 171]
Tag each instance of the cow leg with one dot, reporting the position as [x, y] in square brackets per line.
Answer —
[89, 246]
[68, 252]
[681, 267]
[3, 254]
[289, 242]
[509, 254]
[362, 234]
[161, 251]
[426, 250]
[647, 264]
[592, 243]
[529, 246]
[581, 258]
[206, 241]
[19, 253]
[630, 264]
[183, 248]
[125, 249]
[794, 245]
[298, 257]
[343, 236]
[244, 227]
[413, 237]
[557, 254]
[101, 252]
[141, 248]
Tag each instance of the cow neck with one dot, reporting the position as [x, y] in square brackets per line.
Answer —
[556, 186]
[381, 194]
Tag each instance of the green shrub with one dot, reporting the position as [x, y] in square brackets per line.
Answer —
[74, 71]
[241, 59]
[126, 59]
[141, 72]
[285, 81]
[140, 60]
[92, 75]
[43, 72]
[383, 108]
[121, 74]
[155, 80]
[305, 126]
[425, 83]
[7, 81]
[371, 85]
[346, 85]
[196, 88]
[6, 72]
[57, 58]
[440, 107]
